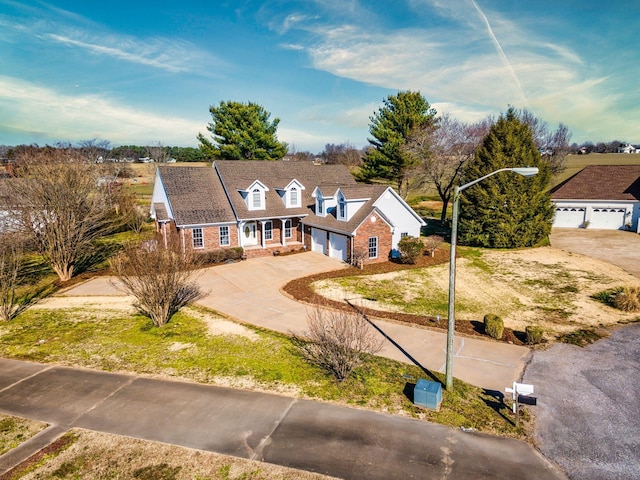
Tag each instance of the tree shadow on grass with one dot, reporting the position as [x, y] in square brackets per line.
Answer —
[395, 344]
[495, 400]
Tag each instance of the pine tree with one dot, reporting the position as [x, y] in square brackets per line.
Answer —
[506, 210]
[400, 115]
[242, 132]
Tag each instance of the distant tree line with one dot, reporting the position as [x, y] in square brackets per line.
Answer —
[600, 147]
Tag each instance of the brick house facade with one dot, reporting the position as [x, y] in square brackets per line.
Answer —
[274, 207]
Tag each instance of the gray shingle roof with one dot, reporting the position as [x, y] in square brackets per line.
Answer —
[240, 174]
[196, 195]
[601, 182]
[357, 191]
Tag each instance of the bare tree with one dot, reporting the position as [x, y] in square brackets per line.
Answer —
[552, 144]
[159, 153]
[162, 280]
[61, 206]
[442, 152]
[338, 341]
[94, 148]
[10, 266]
[343, 154]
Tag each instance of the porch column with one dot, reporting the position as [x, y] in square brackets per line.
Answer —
[262, 237]
[283, 236]
[240, 228]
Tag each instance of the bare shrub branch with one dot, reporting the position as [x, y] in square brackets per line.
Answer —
[10, 266]
[338, 341]
[161, 279]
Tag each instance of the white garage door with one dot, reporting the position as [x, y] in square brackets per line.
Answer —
[607, 218]
[569, 217]
[318, 241]
[338, 246]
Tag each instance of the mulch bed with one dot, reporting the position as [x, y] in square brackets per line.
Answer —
[301, 290]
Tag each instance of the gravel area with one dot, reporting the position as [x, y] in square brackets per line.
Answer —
[588, 412]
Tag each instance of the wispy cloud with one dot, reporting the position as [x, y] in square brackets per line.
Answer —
[52, 26]
[171, 55]
[32, 108]
[474, 62]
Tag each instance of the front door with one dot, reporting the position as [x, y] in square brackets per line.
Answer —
[249, 236]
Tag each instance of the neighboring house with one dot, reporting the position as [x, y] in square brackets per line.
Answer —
[601, 197]
[268, 207]
[627, 148]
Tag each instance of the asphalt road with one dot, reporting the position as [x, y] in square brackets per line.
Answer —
[588, 412]
[338, 441]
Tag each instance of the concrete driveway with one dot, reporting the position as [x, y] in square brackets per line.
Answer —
[250, 292]
[617, 247]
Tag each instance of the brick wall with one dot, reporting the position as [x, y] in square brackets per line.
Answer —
[378, 228]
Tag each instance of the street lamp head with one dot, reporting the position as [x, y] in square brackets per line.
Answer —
[525, 171]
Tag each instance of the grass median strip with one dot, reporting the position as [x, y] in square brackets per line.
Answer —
[199, 345]
[15, 430]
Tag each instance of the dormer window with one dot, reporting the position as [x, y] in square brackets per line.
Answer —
[320, 203]
[254, 196]
[291, 194]
[294, 199]
[342, 208]
[256, 199]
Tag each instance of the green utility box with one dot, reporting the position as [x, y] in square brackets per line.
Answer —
[427, 394]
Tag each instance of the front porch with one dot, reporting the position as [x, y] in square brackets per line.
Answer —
[272, 249]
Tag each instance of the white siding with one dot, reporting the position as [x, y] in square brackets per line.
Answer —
[403, 218]
[159, 196]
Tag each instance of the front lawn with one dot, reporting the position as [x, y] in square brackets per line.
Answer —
[199, 345]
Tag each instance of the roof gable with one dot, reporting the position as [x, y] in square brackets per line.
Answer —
[195, 195]
[601, 182]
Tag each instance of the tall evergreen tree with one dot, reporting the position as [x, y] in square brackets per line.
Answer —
[390, 128]
[242, 132]
[506, 210]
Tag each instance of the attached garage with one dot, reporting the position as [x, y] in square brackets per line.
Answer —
[319, 241]
[569, 217]
[599, 197]
[607, 218]
[338, 246]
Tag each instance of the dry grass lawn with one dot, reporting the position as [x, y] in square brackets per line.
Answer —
[540, 286]
[92, 455]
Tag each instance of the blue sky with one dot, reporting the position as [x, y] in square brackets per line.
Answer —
[141, 72]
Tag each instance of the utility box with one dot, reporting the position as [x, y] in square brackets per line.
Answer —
[427, 394]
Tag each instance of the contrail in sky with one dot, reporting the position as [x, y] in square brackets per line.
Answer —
[504, 58]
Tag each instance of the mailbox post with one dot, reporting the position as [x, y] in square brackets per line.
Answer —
[521, 393]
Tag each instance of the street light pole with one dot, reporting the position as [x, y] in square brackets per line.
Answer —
[451, 325]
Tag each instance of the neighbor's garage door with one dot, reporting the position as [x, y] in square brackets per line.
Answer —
[319, 241]
[569, 217]
[607, 218]
[338, 246]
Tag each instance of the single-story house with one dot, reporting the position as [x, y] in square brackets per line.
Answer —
[601, 197]
[273, 207]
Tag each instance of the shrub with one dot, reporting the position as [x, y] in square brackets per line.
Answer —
[493, 326]
[534, 334]
[410, 249]
[221, 255]
[628, 300]
[337, 341]
[431, 243]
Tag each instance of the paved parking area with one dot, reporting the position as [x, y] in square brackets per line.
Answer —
[588, 412]
[617, 247]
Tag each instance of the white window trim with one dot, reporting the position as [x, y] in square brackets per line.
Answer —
[228, 236]
[288, 229]
[268, 232]
[342, 208]
[376, 247]
[193, 238]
